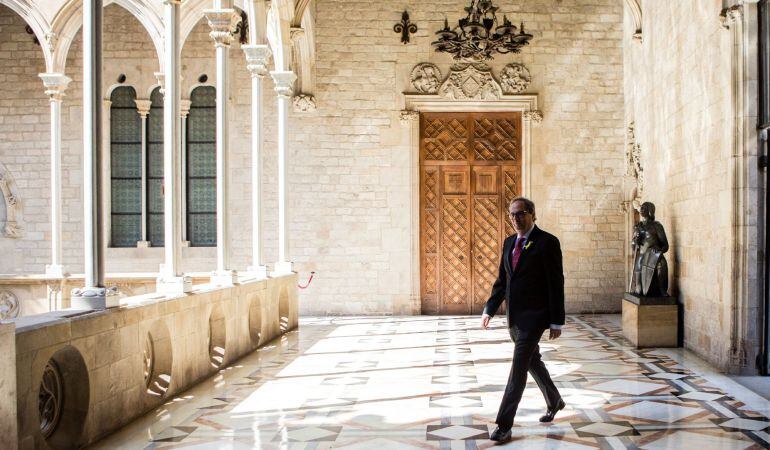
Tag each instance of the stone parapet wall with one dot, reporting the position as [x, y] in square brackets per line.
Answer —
[8, 426]
[100, 355]
[38, 294]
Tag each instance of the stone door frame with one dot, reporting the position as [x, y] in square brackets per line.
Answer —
[417, 103]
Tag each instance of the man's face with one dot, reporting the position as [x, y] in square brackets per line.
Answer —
[521, 219]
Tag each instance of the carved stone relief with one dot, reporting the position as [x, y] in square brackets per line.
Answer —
[304, 103]
[634, 166]
[426, 78]
[11, 228]
[514, 78]
[9, 305]
[471, 82]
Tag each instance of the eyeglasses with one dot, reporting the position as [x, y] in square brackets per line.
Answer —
[518, 214]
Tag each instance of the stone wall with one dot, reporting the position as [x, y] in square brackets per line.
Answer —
[101, 355]
[349, 162]
[350, 184]
[678, 94]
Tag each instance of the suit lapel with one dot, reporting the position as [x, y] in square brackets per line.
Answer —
[507, 255]
[526, 251]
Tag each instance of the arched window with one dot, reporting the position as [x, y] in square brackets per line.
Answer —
[125, 168]
[155, 229]
[201, 168]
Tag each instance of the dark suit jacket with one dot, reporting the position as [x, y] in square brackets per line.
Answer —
[535, 291]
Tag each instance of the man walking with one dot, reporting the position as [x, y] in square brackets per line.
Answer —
[531, 281]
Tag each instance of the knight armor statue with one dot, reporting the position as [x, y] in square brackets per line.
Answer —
[650, 275]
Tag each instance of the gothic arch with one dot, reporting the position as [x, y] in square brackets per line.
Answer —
[635, 7]
[69, 19]
[40, 26]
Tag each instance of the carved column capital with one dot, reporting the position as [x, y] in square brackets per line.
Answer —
[55, 84]
[297, 33]
[257, 57]
[222, 23]
[304, 103]
[407, 116]
[730, 15]
[284, 82]
[143, 107]
[161, 77]
[535, 115]
[184, 108]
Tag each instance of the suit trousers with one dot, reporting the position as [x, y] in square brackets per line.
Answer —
[526, 359]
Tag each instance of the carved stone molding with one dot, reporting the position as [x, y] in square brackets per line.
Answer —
[50, 399]
[408, 116]
[426, 78]
[634, 166]
[515, 78]
[471, 82]
[304, 103]
[535, 116]
[12, 226]
[9, 305]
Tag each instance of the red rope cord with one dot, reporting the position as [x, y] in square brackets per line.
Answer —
[308, 281]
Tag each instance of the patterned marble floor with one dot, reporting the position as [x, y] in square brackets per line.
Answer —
[402, 383]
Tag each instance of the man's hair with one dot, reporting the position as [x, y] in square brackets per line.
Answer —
[529, 205]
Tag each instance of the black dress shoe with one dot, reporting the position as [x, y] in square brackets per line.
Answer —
[500, 436]
[550, 413]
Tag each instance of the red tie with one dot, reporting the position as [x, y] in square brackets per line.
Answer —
[516, 253]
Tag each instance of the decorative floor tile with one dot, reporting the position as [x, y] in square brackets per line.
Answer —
[657, 411]
[455, 401]
[700, 396]
[741, 423]
[308, 434]
[407, 383]
[681, 440]
[632, 387]
[456, 432]
[604, 429]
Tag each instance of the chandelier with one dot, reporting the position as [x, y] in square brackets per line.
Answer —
[478, 35]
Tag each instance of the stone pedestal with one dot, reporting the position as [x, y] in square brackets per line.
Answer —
[650, 321]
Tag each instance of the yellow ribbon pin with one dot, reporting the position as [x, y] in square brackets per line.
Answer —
[526, 246]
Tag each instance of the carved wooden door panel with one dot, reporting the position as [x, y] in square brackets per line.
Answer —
[469, 171]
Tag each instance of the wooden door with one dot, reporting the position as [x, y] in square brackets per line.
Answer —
[470, 167]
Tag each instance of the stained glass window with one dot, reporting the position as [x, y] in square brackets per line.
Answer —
[201, 168]
[125, 168]
[155, 229]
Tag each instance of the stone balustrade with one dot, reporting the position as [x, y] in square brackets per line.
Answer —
[83, 374]
[37, 294]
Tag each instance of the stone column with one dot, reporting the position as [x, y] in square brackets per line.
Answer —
[171, 280]
[256, 61]
[744, 260]
[55, 85]
[143, 108]
[222, 21]
[93, 295]
[284, 81]
[185, 111]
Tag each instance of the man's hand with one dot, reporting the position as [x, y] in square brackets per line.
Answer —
[554, 333]
[485, 321]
